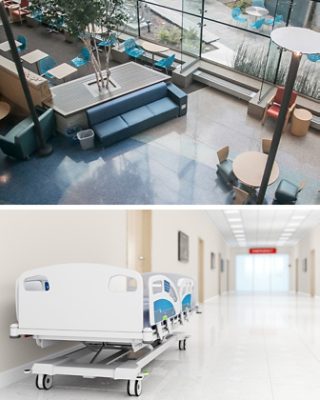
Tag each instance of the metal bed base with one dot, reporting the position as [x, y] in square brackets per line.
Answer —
[91, 361]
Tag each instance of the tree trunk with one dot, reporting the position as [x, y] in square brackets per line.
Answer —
[108, 72]
[87, 43]
[98, 61]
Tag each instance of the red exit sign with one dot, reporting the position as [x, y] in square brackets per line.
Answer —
[263, 250]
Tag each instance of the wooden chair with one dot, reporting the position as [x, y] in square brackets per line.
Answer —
[273, 107]
[225, 166]
[266, 144]
[240, 196]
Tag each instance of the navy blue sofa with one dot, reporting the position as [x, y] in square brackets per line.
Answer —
[130, 114]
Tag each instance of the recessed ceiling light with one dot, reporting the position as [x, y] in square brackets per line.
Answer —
[238, 231]
[298, 217]
[290, 230]
[229, 212]
[237, 219]
[294, 224]
[236, 226]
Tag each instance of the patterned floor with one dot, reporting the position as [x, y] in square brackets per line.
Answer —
[174, 163]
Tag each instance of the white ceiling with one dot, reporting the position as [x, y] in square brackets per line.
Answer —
[265, 227]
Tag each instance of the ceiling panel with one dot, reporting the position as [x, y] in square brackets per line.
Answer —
[264, 227]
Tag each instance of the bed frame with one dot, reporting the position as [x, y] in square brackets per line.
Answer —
[102, 307]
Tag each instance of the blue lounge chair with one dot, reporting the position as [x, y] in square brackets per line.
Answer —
[287, 192]
[274, 21]
[258, 24]
[23, 40]
[110, 41]
[132, 49]
[165, 63]
[237, 16]
[313, 57]
[82, 59]
[44, 65]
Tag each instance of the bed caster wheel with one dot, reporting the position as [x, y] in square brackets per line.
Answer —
[134, 387]
[44, 382]
[183, 344]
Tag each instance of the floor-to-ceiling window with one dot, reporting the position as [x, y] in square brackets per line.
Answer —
[262, 273]
[228, 33]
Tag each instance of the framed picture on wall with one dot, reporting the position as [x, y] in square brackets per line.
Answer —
[212, 260]
[183, 247]
[305, 265]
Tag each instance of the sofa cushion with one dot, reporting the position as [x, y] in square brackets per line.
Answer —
[126, 103]
[111, 126]
[162, 106]
[137, 115]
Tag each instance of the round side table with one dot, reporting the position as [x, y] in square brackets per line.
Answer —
[300, 122]
[4, 109]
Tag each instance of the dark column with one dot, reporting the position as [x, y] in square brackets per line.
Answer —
[292, 74]
[44, 148]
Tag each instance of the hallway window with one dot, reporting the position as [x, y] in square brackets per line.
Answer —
[262, 273]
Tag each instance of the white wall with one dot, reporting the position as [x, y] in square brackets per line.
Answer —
[31, 239]
[302, 250]
[196, 224]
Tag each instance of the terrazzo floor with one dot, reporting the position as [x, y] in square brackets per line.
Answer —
[174, 163]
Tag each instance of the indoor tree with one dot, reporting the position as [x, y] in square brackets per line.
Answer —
[112, 17]
[87, 19]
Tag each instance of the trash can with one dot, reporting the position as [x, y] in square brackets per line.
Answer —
[86, 139]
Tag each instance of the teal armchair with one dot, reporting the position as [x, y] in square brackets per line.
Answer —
[20, 142]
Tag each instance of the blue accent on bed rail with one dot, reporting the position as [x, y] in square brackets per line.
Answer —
[167, 286]
[186, 302]
[163, 308]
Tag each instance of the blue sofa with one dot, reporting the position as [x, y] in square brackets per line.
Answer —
[130, 114]
[20, 142]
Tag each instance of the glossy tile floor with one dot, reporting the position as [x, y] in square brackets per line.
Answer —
[241, 348]
[174, 163]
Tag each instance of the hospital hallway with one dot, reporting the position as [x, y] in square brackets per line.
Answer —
[242, 347]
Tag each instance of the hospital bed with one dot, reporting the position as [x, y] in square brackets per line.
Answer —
[122, 319]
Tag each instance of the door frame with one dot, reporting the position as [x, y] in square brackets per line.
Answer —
[201, 277]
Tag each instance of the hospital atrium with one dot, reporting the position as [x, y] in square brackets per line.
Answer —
[166, 304]
[159, 102]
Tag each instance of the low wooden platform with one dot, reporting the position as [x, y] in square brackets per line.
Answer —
[71, 99]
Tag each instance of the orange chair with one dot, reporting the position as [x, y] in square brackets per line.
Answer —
[273, 107]
[17, 13]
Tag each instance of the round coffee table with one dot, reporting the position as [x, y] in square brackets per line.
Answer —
[256, 12]
[4, 109]
[249, 167]
[300, 122]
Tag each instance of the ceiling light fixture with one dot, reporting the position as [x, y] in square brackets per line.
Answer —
[234, 219]
[230, 212]
[298, 217]
[294, 224]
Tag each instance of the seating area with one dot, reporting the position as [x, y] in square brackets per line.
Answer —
[244, 188]
[162, 158]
